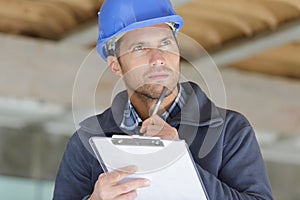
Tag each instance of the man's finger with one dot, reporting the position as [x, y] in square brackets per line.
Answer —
[153, 130]
[129, 195]
[117, 175]
[156, 119]
[153, 120]
[131, 185]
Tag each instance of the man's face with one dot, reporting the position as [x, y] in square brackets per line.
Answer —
[149, 59]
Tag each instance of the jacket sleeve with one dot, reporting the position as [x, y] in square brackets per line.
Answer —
[242, 174]
[74, 177]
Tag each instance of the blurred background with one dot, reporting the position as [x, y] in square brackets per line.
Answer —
[255, 44]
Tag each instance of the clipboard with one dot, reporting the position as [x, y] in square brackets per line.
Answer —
[167, 163]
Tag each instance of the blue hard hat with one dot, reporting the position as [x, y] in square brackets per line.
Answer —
[117, 17]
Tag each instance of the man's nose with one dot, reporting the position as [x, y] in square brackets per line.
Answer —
[156, 58]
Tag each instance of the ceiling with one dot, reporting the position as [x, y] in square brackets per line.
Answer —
[218, 25]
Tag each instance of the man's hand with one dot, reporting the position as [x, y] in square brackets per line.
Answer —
[108, 186]
[155, 126]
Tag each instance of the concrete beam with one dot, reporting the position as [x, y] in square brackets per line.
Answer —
[41, 69]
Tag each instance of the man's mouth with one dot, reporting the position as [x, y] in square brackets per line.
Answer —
[157, 76]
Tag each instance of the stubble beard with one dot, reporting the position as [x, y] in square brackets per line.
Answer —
[149, 93]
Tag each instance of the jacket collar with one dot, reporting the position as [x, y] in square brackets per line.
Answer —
[199, 110]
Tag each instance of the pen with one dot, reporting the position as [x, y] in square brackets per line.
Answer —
[159, 100]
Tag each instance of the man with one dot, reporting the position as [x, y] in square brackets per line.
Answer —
[137, 39]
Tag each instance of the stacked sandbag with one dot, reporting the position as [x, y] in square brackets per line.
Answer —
[282, 61]
[49, 19]
[215, 22]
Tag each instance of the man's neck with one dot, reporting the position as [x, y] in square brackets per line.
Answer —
[144, 105]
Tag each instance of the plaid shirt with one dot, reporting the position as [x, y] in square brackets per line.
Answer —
[131, 122]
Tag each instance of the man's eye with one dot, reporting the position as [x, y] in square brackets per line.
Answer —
[138, 48]
[165, 42]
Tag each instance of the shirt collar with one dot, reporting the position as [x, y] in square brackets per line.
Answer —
[131, 120]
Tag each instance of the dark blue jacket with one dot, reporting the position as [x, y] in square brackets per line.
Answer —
[222, 143]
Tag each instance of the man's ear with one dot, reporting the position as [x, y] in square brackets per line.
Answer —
[114, 65]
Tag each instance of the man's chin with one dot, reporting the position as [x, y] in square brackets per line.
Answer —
[153, 91]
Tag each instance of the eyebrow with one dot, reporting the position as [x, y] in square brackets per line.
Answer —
[143, 43]
[168, 37]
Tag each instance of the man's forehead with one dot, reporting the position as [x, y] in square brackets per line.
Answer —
[148, 33]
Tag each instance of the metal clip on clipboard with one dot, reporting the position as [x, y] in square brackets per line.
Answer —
[137, 141]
